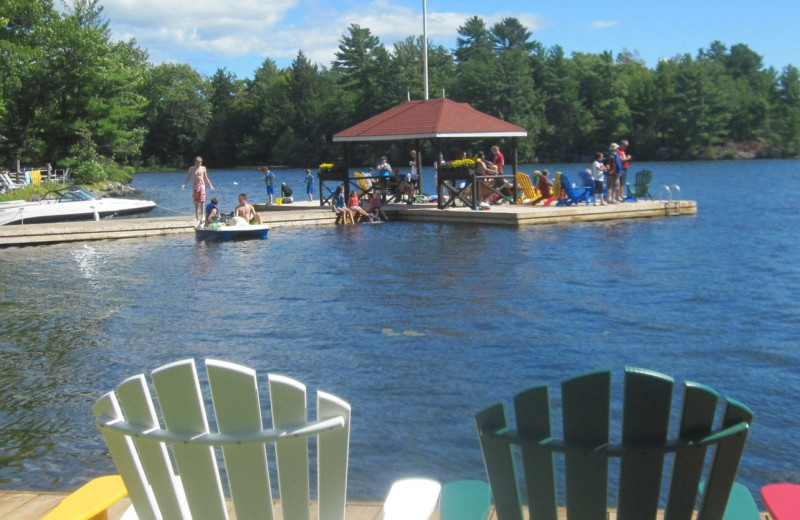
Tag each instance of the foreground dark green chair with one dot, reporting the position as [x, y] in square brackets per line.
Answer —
[641, 188]
[587, 446]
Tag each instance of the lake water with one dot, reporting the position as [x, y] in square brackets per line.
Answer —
[418, 326]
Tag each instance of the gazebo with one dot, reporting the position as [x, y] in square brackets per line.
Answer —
[433, 119]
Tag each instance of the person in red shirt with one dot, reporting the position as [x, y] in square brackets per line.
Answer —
[622, 151]
[498, 159]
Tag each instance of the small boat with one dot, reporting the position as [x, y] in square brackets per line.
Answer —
[236, 229]
[71, 203]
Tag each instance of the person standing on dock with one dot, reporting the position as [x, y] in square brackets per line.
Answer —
[269, 180]
[624, 159]
[310, 185]
[598, 172]
[384, 168]
[498, 159]
[199, 177]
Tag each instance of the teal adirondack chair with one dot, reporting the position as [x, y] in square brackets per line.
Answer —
[587, 446]
[144, 450]
[641, 188]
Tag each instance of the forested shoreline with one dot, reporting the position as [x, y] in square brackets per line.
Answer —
[72, 96]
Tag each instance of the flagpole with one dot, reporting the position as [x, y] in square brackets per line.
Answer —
[425, 45]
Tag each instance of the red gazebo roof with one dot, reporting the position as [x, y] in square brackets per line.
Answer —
[429, 119]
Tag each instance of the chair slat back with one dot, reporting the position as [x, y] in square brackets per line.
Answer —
[234, 392]
[144, 450]
[288, 403]
[697, 421]
[533, 422]
[645, 442]
[137, 403]
[725, 465]
[332, 458]
[178, 390]
[586, 410]
[648, 399]
[499, 461]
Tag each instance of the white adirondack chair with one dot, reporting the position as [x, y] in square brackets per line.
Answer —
[144, 450]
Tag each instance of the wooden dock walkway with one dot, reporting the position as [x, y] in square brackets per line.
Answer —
[310, 213]
[28, 505]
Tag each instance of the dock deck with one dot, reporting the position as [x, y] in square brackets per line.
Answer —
[310, 213]
[28, 505]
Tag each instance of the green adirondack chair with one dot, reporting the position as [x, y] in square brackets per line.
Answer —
[587, 446]
[641, 189]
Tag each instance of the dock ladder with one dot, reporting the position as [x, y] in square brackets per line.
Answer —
[671, 207]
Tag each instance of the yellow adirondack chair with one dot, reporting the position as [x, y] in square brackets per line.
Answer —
[530, 195]
[364, 184]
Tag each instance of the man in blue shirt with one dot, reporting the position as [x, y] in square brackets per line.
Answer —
[269, 180]
[384, 168]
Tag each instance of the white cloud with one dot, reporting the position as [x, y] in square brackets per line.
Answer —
[277, 29]
[604, 24]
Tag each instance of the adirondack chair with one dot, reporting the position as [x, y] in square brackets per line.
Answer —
[530, 195]
[587, 182]
[642, 187]
[364, 184]
[587, 446]
[782, 500]
[558, 189]
[574, 194]
[144, 451]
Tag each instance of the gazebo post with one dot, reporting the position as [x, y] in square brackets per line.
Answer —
[514, 165]
[346, 172]
[418, 148]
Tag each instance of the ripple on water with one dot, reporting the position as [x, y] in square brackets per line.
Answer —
[417, 325]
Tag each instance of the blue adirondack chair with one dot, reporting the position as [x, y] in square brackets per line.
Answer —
[575, 194]
[587, 447]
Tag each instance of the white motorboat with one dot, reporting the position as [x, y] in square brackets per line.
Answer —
[71, 203]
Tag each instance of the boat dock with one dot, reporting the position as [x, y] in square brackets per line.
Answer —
[310, 213]
[27, 505]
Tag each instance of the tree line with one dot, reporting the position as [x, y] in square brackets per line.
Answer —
[72, 96]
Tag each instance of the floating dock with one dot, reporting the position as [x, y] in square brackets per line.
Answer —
[310, 213]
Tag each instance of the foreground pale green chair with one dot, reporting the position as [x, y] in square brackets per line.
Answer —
[587, 446]
[144, 448]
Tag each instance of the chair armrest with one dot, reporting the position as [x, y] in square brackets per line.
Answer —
[91, 501]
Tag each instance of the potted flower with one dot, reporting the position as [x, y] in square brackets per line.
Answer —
[327, 171]
[458, 169]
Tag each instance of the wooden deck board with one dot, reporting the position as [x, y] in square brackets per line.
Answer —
[22, 505]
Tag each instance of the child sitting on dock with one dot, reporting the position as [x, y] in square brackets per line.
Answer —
[376, 207]
[340, 206]
[355, 205]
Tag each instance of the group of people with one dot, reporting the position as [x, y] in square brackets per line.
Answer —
[609, 173]
[352, 206]
[211, 214]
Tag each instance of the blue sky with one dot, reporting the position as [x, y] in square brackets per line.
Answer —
[240, 34]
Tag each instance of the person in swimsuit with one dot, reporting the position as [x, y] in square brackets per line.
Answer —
[247, 211]
[355, 205]
[199, 177]
[340, 206]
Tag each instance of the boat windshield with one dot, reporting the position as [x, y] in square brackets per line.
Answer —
[76, 194]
